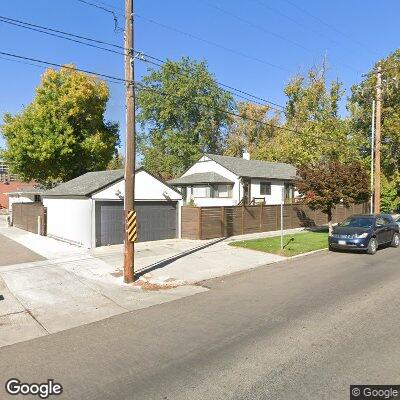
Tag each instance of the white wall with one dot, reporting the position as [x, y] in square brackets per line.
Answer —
[70, 219]
[19, 198]
[276, 190]
[205, 164]
[146, 188]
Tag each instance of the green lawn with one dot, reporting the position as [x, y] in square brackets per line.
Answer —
[296, 243]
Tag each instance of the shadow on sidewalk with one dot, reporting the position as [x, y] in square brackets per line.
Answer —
[169, 260]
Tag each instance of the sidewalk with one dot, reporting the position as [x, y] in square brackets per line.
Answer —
[75, 286]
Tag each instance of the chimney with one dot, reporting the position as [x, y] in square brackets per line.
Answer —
[246, 155]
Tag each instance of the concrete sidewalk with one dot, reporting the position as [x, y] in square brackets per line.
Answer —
[75, 286]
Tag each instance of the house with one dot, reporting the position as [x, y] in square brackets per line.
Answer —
[89, 210]
[9, 183]
[217, 180]
[29, 194]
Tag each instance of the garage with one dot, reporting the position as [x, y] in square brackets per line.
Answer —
[89, 210]
[156, 221]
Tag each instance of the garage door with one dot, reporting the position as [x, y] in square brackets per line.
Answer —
[156, 221]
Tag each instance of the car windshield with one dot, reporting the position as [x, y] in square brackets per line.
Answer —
[358, 222]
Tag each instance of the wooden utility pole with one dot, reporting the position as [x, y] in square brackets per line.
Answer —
[129, 203]
[378, 101]
[372, 155]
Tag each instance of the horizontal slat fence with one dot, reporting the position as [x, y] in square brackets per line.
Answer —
[26, 216]
[214, 222]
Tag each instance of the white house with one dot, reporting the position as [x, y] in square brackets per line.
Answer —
[24, 195]
[89, 210]
[217, 180]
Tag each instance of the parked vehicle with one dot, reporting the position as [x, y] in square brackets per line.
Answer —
[397, 220]
[365, 233]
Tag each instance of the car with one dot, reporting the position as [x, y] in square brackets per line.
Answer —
[365, 232]
[397, 220]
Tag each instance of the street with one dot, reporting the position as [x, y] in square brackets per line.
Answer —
[306, 328]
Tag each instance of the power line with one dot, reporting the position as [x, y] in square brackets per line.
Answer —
[268, 32]
[198, 38]
[116, 27]
[52, 64]
[141, 86]
[82, 39]
[321, 21]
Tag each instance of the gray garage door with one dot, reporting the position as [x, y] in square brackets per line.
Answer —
[156, 221]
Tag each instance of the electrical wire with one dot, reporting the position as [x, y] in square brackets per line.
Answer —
[82, 39]
[141, 86]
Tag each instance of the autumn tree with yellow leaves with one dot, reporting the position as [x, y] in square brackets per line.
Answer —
[62, 133]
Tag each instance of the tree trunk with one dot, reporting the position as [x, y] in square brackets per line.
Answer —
[330, 221]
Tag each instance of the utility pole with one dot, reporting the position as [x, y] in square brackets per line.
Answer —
[372, 155]
[377, 206]
[129, 202]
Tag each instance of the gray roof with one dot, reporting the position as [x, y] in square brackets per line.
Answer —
[27, 190]
[86, 184]
[201, 177]
[255, 168]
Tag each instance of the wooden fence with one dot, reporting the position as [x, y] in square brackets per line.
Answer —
[30, 217]
[214, 222]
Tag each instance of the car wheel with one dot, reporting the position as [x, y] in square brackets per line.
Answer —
[395, 240]
[331, 248]
[372, 246]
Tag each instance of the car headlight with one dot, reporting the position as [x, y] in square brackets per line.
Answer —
[362, 236]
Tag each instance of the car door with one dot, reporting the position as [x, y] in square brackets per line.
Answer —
[391, 227]
[381, 230]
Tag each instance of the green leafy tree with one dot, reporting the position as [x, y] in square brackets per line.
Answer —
[182, 113]
[324, 185]
[315, 131]
[246, 133]
[360, 107]
[62, 133]
[117, 162]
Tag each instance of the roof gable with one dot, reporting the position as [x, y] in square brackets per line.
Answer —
[86, 184]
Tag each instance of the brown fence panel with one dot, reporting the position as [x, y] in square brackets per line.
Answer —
[213, 222]
[190, 222]
[26, 216]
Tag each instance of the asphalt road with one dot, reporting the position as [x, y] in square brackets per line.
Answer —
[14, 253]
[304, 329]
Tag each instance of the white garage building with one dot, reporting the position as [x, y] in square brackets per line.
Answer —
[89, 210]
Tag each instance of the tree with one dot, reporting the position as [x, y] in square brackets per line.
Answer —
[324, 185]
[62, 133]
[182, 114]
[245, 133]
[360, 108]
[314, 131]
[117, 162]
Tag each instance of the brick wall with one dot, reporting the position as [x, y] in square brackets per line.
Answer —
[10, 187]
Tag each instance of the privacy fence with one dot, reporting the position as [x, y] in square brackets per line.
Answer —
[29, 217]
[214, 222]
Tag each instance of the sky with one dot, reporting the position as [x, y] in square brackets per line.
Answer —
[252, 45]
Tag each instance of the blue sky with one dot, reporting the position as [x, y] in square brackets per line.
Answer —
[292, 35]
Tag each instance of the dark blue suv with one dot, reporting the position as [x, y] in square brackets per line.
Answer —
[365, 232]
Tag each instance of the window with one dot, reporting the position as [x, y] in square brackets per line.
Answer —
[36, 198]
[201, 191]
[265, 188]
[222, 191]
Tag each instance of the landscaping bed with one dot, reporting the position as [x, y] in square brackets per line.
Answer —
[294, 244]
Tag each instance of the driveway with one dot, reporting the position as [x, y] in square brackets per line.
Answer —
[12, 252]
